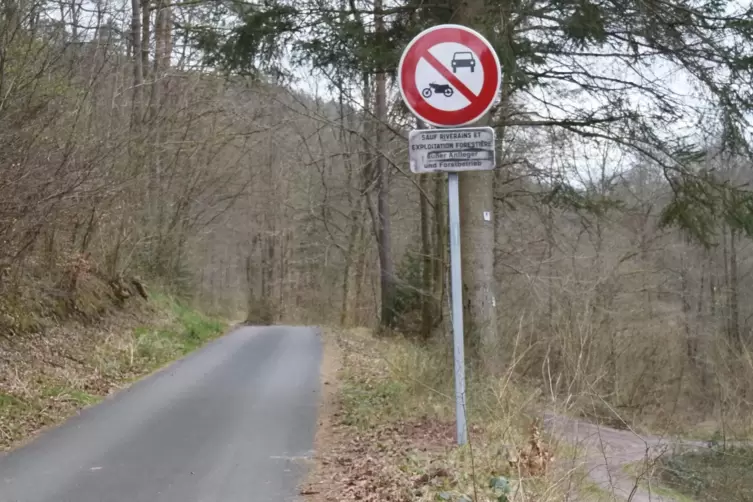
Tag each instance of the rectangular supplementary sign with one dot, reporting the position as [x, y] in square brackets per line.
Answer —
[451, 150]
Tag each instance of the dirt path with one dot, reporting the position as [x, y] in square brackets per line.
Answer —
[604, 452]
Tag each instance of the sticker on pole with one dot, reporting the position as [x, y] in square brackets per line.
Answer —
[451, 150]
[449, 75]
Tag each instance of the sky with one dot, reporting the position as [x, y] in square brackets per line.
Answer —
[585, 156]
[588, 157]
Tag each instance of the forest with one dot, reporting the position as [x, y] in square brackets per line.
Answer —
[251, 159]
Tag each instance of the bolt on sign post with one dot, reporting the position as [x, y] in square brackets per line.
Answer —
[449, 77]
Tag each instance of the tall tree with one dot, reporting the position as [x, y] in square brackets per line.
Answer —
[477, 233]
[386, 262]
[585, 67]
[138, 73]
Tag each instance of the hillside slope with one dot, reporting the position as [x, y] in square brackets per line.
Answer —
[58, 356]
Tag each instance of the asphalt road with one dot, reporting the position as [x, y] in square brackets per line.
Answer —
[232, 422]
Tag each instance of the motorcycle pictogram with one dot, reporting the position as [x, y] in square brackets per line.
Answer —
[444, 89]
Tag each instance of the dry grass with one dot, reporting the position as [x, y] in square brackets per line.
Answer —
[713, 474]
[623, 372]
[47, 376]
[391, 432]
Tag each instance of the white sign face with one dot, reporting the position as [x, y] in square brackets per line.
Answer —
[449, 75]
[459, 61]
[451, 150]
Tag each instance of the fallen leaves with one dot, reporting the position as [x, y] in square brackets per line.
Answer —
[535, 458]
[384, 444]
[370, 465]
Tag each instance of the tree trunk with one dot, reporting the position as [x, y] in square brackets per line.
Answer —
[432, 256]
[387, 268]
[734, 308]
[252, 307]
[685, 304]
[367, 177]
[355, 226]
[440, 246]
[353, 204]
[267, 271]
[477, 242]
[158, 36]
[477, 238]
[138, 71]
[712, 293]
[550, 261]
[427, 300]
[500, 175]
[145, 36]
[725, 311]
[360, 273]
[283, 238]
[162, 49]
[697, 332]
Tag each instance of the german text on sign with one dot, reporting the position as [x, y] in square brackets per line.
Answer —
[451, 150]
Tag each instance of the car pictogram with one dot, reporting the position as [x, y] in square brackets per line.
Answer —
[463, 60]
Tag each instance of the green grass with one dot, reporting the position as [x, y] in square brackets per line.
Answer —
[387, 381]
[711, 475]
[69, 394]
[396, 392]
[639, 470]
[12, 412]
[52, 401]
[11, 407]
[188, 330]
[47, 395]
[8, 402]
[669, 493]
[367, 403]
[591, 492]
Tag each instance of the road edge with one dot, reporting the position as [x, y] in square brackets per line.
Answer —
[114, 392]
[313, 487]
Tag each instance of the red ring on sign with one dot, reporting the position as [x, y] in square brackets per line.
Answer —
[483, 100]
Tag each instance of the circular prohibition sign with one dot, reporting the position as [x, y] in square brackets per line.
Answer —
[466, 67]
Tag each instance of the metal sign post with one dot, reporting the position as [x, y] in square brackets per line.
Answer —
[449, 76]
[457, 307]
